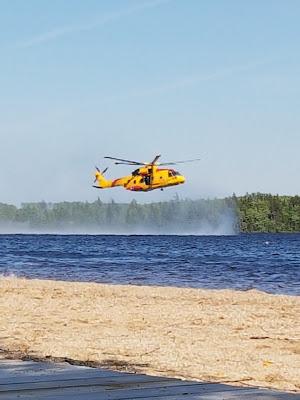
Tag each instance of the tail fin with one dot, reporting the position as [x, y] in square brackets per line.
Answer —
[101, 181]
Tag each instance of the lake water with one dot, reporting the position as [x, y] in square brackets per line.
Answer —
[268, 262]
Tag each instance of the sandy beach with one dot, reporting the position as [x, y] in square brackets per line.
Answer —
[243, 338]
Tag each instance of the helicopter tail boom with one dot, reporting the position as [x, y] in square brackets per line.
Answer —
[103, 183]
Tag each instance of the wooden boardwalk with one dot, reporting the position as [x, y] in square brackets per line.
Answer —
[62, 381]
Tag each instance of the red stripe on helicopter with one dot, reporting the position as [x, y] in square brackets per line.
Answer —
[115, 182]
[136, 188]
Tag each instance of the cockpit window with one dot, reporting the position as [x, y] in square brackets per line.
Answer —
[173, 173]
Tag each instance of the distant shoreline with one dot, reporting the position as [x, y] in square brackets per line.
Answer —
[252, 213]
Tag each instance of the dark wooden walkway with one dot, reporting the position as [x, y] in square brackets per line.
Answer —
[59, 381]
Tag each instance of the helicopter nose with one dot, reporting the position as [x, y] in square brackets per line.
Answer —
[181, 179]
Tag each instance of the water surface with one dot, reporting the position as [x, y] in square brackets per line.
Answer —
[268, 262]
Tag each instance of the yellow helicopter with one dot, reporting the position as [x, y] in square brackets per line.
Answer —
[148, 176]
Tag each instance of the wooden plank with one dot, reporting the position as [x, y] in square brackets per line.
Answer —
[13, 378]
[248, 394]
[107, 381]
[10, 378]
[118, 392]
[11, 365]
[74, 376]
[8, 367]
[232, 395]
[42, 371]
[23, 372]
[254, 394]
[48, 381]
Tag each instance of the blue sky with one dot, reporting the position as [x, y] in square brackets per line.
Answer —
[214, 79]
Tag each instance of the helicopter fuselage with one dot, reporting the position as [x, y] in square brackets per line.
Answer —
[143, 179]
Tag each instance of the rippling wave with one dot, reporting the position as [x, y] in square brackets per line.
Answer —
[268, 262]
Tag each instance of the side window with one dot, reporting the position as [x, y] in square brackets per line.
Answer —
[134, 181]
[170, 174]
[141, 180]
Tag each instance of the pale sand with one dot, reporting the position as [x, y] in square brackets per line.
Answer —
[248, 338]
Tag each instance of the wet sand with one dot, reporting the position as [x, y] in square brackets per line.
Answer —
[244, 338]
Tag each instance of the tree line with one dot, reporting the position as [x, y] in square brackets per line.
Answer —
[250, 213]
[260, 212]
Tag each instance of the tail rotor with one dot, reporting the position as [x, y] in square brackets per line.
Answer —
[99, 173]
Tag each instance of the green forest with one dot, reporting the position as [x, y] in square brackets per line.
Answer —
[268, 213]
[250, 213]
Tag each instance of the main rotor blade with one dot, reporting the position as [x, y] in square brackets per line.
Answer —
[125, 161]
[155, 159]
[179, 162]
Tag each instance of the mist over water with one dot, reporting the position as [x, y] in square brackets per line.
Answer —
[201, 217]
[226, 226]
